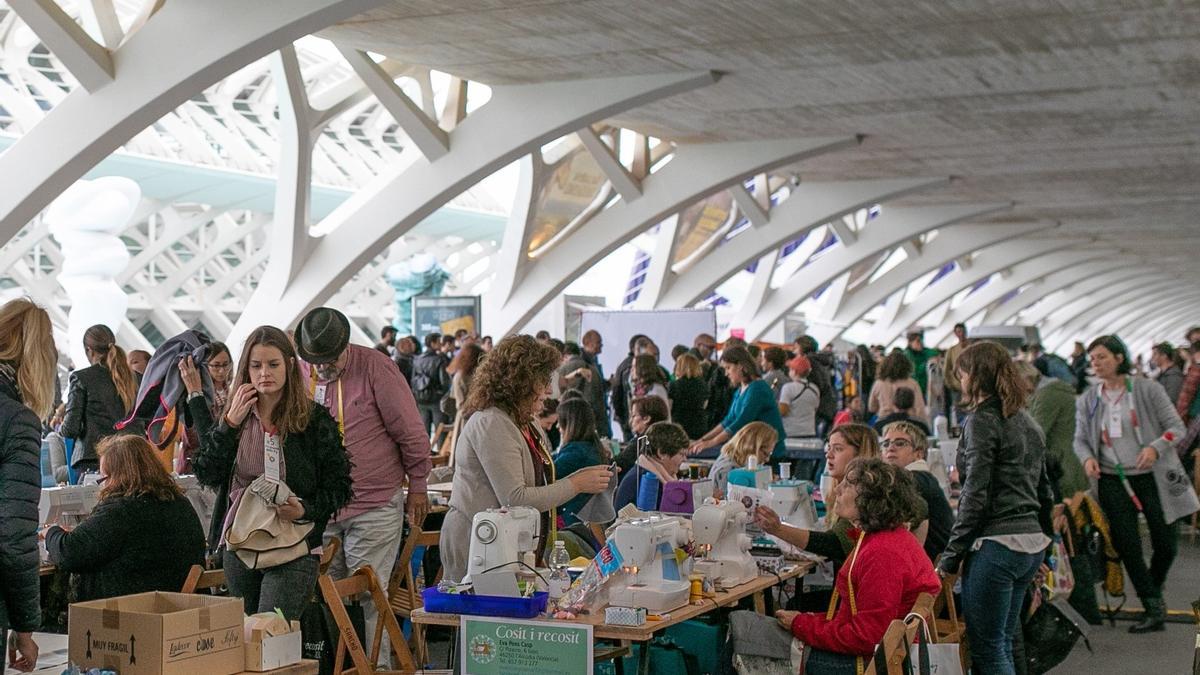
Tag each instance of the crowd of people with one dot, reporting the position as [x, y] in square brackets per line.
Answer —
[321, 438]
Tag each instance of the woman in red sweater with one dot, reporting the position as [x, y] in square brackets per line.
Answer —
[880, 580]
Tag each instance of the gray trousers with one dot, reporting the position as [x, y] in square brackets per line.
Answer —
[286, 587]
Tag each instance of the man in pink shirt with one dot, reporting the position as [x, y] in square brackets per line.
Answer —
[384, 437]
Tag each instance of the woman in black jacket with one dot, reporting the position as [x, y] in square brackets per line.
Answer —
[998, 537]
[98, 397]
[27, 364]
[143, 534]
[270, 417]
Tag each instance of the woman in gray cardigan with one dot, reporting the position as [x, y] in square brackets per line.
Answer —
[502, 456]
[1124, 427]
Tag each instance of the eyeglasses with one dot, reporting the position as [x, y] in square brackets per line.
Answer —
[898, 443]
[219, 366]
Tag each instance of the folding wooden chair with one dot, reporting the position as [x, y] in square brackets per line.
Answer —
[364, 581]
[200, 579]
[946, 625]
[402, 588]
[328, 553]
[896, 644]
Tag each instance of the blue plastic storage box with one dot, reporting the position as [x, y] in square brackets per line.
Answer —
[484, 605]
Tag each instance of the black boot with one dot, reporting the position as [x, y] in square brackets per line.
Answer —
[1154, 618]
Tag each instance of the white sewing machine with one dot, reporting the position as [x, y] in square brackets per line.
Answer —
[501, 537]
[653, 579]
[792, 500]
[720, 531]
[201, 499]
[67, 505]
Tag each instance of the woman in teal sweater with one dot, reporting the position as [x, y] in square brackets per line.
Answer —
[753, 402]
[581, 448]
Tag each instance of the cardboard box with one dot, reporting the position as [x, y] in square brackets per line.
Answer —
[271, 642]
[158, 634]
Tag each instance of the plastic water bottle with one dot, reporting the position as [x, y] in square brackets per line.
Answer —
[559, 580]
[941, 427]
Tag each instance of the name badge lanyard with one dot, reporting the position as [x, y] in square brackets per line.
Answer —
[317, 391]
[1106, 437]
[272, 455]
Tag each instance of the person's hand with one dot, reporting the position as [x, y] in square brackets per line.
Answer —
[190, 376]
[697, 447]
[56, 419]
[239, 407]
[785, 618]
[591, 480]
[1039, 578]
[585, 373]
[290, 510]
[1059, 518]
[1146, 458]
[22, 652]
[767, 520]
[417, 507]
[1091, 467]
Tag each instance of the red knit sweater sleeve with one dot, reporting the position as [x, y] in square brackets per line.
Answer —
[878, 594]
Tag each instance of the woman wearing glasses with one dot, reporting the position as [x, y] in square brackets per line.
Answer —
[906, 446]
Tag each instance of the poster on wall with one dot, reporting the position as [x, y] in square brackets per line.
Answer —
[445, 315]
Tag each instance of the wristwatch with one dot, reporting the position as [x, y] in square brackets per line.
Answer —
[194, 394]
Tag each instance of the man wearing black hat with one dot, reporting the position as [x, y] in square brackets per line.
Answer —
[383, 435]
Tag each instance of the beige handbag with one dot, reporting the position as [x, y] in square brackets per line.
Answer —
[261, 539]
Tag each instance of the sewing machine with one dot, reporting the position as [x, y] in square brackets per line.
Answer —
[652, 580]
[67, 505]
[720, 531]
[757, 477]
[501, 537]
[683, 496]
[202, 499]
[792, 500]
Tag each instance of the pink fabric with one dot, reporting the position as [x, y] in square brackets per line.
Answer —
[384, 435]
[249, 464]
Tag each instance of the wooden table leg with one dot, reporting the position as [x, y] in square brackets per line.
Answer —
[422, 653]
[760, 604]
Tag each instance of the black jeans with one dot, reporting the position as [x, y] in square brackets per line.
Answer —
[1127, 539]
[286, 587]
[431, 415]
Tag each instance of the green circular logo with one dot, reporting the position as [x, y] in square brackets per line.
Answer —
[483, 649]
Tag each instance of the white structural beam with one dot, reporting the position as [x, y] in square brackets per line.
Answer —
[625, 183]
[100, 18]
[695, 172]
[1120, 321]
[1032, 273]
[1079, 313]
[665, 244]
[90, 63]
[1077, 288]
[1135, 319]
[433, 142]
[1169, 325]
[895, 225]
[1100, 311]
[949, 244]
[187, 47]
[809, 205]
[517, 120]
[990, 261]
[289, 237]
[754, 211]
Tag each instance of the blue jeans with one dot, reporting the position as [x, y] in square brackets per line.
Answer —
[993, 586]
[821, 662]
[286, 587]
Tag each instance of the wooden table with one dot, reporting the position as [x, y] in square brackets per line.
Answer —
[645, 632]
[305, 667]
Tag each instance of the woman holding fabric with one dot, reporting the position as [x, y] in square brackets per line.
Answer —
[581, 448]
[998, 538]
[273, 443]
[1125, 427]
[754, 402]
[502, 456]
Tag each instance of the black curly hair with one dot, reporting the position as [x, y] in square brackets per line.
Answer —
[887, 495]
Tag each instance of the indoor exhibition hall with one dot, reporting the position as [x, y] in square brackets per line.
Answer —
[599, 337]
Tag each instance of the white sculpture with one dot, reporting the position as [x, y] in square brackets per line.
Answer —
[87, 220]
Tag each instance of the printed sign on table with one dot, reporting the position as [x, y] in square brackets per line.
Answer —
[501, 646]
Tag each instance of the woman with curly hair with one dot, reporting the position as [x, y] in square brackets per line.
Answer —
[894, 373]
[880, 582]
[502, 456]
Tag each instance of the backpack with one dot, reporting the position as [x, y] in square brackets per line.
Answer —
[427, 387]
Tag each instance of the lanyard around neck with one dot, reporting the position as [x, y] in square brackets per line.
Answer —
[341, 411]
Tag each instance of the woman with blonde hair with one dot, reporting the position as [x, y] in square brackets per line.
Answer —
[143, 534]
[98, 397]
[502, 456]
[27, 364]
[756, 439]
[689, 396]
[846, 443]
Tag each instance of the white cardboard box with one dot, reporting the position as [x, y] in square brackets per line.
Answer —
[268, 652]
